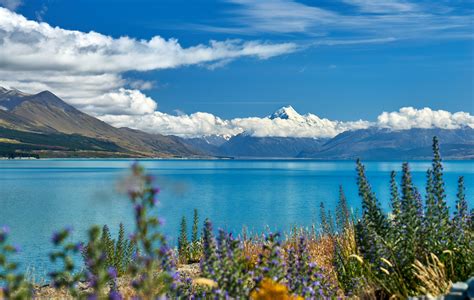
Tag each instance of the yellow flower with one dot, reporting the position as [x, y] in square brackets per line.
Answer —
[271, 290]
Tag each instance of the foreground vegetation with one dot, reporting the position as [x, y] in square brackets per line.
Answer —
[418, 248]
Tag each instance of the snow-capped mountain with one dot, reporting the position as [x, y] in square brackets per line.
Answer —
[286, 113]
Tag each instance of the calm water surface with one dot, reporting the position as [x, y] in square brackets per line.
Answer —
[40, 196]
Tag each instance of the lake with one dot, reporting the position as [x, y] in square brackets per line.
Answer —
[38, 197]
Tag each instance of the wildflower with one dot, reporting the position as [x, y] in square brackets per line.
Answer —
[115, 295]
[112, 272]
[56, 238]
[269, 289]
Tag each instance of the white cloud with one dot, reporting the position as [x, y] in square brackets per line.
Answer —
[296, 125]
[196, 124]
[383, 6]
[86, 68]
[11, 4]
[368, 20]
[409, 117]
[131, 102]
[199, 124]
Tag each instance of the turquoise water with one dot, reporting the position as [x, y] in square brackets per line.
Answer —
[40, 196]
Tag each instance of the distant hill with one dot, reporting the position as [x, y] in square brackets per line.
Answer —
[50, 117]
[385, 144]
[249, 146]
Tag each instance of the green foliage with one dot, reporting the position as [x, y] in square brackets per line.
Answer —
[440, 212]
[119, 253]
[325, 225]
[189, 251]
[223, 262]
[12, 283]
[154, 265]
[343, 216]
[462, 236]
[393, 251]
[100, 274]
[195, 231]
[183, 243]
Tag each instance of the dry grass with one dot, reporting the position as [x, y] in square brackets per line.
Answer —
[432, 275]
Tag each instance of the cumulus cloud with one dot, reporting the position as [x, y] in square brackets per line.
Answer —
[200, 124]
[124, 101]
[196, 124]
[291, 124]
[86, 68]
[409, 117]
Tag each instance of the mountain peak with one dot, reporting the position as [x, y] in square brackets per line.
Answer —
[12, 92]
[286, 112]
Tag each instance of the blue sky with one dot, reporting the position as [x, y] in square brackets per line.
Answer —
[348, 60]
[339, 81]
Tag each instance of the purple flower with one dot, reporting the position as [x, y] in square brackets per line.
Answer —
[56, 238]
[115, 295]
[112, 272]
[92, 297]
[138, 209]
[79, 246]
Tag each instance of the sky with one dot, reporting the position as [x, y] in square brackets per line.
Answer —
[167, 65]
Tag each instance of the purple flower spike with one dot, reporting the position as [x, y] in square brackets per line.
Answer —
[115, 295]
[112, 272]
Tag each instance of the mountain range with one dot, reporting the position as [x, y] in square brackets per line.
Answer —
[44, 125]
[372, 143]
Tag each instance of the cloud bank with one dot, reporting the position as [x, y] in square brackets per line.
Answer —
[86, 68]
[409, 117]
[288, 125]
